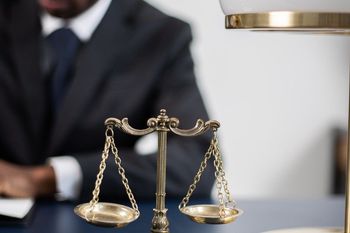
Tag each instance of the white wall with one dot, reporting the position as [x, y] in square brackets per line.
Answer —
[277, 95]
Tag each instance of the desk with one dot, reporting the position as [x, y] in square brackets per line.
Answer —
[258, 216]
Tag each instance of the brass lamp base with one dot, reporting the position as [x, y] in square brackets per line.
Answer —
[308, 230]
[326, 22]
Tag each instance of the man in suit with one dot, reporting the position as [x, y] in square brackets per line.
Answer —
[129, 60]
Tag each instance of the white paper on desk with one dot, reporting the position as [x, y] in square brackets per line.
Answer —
[15, 207]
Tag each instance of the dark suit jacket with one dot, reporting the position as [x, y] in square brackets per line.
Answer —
[137, 62]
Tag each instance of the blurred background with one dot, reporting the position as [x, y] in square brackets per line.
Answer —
[282, 100]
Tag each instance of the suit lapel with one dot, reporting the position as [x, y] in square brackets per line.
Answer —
[104, 49]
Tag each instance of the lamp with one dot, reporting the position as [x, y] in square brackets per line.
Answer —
[311, 16]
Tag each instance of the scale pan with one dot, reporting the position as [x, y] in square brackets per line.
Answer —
[209, 214]
[107, 214]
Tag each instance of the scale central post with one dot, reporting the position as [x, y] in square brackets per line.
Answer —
[160, 223]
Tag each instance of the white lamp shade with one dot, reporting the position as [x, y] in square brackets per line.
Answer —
[258, 6]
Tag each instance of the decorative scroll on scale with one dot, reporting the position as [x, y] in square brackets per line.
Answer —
[116, 215]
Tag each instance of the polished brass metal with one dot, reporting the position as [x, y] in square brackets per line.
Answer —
[307, 230]
[211, 214]
[226, 211]
[324, 22]
[160, 222]
[109, 214]
[306, 22]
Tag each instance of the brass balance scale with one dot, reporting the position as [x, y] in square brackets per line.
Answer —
[116, 215]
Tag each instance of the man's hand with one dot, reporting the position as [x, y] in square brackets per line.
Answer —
[26, 181]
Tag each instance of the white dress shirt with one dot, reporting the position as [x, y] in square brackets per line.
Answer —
[67, 170]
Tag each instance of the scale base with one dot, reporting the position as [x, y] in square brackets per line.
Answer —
[308, 230]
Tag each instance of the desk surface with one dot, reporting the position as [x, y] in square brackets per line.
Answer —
[258, 216]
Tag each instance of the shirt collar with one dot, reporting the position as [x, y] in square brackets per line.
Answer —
[82, 25]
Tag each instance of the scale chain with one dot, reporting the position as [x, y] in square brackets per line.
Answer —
[223, 177]
[221, 182]
[219, 185]
[125, 181]
[109, 144]
[102, 167]
[197, 178]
